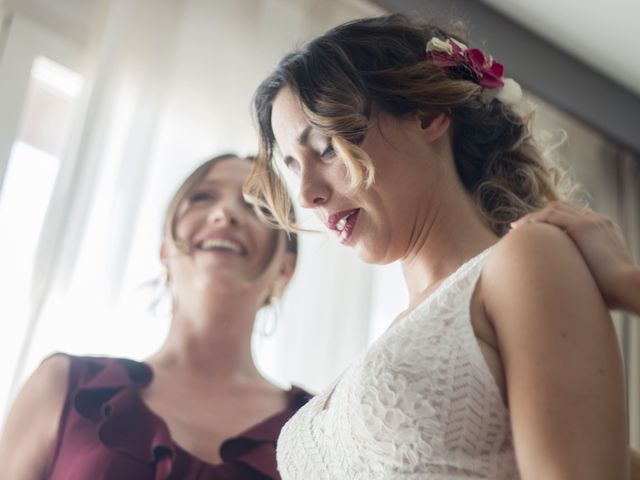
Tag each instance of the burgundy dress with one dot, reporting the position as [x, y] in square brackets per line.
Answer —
[107, 432]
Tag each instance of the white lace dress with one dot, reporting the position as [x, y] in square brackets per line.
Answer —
[421, 403]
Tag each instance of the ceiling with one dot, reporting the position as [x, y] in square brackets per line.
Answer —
[604, 34]
[74, 18]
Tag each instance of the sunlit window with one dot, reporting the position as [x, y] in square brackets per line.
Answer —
[26, 189]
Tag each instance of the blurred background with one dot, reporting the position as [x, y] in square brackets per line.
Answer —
[106, 105]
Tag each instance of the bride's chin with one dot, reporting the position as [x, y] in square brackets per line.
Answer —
[367, 255]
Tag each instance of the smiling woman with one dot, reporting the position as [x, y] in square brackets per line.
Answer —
[198, 408]
[210, 195]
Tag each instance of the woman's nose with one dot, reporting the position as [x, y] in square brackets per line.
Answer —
[314, 189]
[225, 213]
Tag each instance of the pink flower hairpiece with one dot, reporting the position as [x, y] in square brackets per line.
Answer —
[485, 71]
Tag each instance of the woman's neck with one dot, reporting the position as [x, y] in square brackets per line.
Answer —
[454, 234]
[211, 337]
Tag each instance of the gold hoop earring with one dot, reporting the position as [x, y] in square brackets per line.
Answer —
[277, 289]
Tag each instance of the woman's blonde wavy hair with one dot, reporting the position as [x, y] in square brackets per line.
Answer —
[378, 64]
[187, 186]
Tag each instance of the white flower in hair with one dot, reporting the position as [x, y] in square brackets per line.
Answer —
[510, 93]
[437, 45]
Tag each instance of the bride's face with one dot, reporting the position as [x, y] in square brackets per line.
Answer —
[378, 222]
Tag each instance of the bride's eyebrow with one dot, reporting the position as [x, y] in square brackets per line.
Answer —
[303, 138]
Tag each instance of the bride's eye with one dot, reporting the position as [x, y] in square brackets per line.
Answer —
[328, 152]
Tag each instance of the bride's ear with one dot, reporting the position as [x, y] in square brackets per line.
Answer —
[434, 124]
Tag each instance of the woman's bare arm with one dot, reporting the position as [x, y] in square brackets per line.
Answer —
[564, 373]
[30, 430]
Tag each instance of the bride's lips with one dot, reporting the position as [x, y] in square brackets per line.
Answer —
[349, 218]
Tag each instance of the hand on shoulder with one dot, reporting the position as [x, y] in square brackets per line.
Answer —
[31, 427]
[602, 245]
[529, 260]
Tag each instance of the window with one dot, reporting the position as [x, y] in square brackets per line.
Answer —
[33, 164]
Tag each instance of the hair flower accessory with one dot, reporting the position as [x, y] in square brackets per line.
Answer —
[484, 70]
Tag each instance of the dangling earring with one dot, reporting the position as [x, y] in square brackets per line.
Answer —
[165, 276]
[277, 289]
[270, 318]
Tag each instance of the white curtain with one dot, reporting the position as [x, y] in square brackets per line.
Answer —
[169, 85]
[95, 199]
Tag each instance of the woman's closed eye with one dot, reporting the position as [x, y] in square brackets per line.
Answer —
[328, 152]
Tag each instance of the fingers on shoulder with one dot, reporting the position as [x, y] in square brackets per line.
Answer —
[574, 219]
[556, 213]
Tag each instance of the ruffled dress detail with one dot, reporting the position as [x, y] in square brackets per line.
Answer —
[107, 432]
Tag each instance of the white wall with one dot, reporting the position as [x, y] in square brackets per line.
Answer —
[168, 87]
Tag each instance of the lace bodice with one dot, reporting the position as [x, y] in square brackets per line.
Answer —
[419, 403]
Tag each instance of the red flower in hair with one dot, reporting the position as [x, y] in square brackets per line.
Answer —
[488, 72]
[476, 67]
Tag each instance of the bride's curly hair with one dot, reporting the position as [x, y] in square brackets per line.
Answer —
[378, 64]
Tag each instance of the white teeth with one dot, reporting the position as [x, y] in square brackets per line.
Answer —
[343, 221]
[221, 244]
